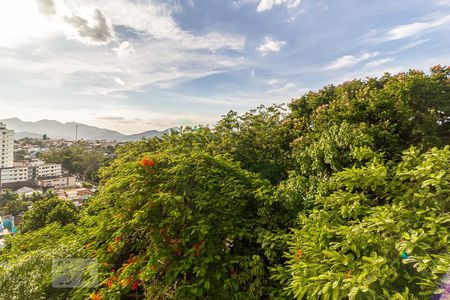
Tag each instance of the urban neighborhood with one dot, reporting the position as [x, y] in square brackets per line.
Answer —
[25, 176]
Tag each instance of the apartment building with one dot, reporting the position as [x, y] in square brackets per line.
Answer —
[6, 147]
[17, 174]
[57, 182]
[28, 171]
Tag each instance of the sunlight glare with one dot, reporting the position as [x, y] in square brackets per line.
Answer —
[21, 23]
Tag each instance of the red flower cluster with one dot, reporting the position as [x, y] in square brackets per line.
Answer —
[147, 162]
[197, 248]
[132, 258]
[109, 283]
[299, 254]
[154, 268]
[135, 285]
[97, 296]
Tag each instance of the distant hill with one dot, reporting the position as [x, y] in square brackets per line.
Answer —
[55, 129]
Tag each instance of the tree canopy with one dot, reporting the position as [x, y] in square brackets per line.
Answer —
[343, 194]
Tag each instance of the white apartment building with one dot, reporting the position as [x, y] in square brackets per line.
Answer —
[6, 147]
[9, 175]
[48, 170]
[30, 171]
[38, 169]
[59, 182]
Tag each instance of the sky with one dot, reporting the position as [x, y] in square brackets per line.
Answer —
[136, 65]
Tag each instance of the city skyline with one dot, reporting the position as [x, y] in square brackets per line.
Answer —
[132, 66]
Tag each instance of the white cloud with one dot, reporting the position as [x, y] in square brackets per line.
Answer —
[90, 71]
[413, 29]
[269, 4]
[285, 90]
[124, 49]
[350, 60]
[379, 62]
[273, 81]
[155, 22]
[270, 45]
[444, 2]
[119, 81]
[22, 24]
[85, 23]
[164, 54]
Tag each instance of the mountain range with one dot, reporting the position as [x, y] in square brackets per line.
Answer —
[55, 129]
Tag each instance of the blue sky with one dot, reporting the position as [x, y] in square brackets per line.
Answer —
[139, 65]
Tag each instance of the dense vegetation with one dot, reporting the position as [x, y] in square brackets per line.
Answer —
[345, 194]
[14, 204]
[77, 159]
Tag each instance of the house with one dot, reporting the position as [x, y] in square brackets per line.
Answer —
[77, 196]
[27, 191]
[57, 182]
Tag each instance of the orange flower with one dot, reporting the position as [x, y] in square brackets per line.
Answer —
[154, 268]
[347, 275]
[117, 238]
[111, 248]
[299, 254]
[96, 296]
[198, 247]
[173, 241]
[147, 162]
[109, 283]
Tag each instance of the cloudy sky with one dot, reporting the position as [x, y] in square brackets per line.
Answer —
[135, 65]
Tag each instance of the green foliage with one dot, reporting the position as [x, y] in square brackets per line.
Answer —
[259, 139]
[350, 246]
[47, 211]
[345, 196]
[10, 204]
[19, 155]
[187, 224]
[26, 262]
[77, 159]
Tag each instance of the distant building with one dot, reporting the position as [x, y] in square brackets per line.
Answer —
[6, 147]
[38, 169]
[76, 196]
[17, 174]
[57, 182]
[15, 186]
[28, 171]
[27, 191]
